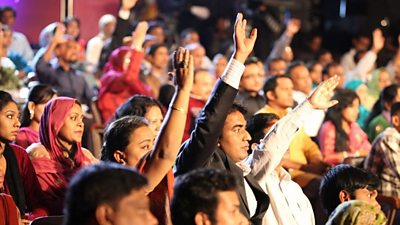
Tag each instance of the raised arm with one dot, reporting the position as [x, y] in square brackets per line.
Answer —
[169, 139]
[198, 149]
[273, 146]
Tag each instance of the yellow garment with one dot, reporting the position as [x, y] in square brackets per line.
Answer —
[301, 149]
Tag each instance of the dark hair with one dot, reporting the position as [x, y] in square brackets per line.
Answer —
[186, 32]
[271, 84]
[136, 106]
[293, 65]
[237, 108]
[151, 50]
[387, 95]
[395, 109]
[117, 135]
[154, 24]
[70, 19]
[251, 60]
[5, 98]
[39, 94]
[344, 178]
[334, 115]
[197, 191]
[328, 66]
[104, 183]
[256, 125]
[5, 9]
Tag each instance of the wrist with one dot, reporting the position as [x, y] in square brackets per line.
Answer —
[240, 57]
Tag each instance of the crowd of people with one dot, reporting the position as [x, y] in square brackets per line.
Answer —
[200, 130]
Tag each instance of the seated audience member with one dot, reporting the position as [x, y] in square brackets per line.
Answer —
[73, 28]
[156, 29]
[315, 69]
[143, 106]
[305, 162]
[331, 70]
[384, 157]
[203, 84]
[206, 196]
[361, 89]
[107, 25]
[121, 80]
[379, 118]
[344, 183]
[62, 76]
[340, 136]
[107, 194]
[250, 86]
[157, 56]
[324, 57]
[356, 212]
[219, 61]
[19, 42]
[38, 96]
[302, 87]
[360, 42]
[201, 61]
[189, 36]
[21, 64]
[59, 154]
[219, 139]
[365, 60]
[266, 159]
[276, 66]
[130, 141]
[380, 78]
[17, 175]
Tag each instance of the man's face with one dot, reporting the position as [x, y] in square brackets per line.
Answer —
[361, 44]
[277, 68]
[301, 79]
[8, 18]
[133, 209]
[68, 51]
[198, 55]
[235, 139]
[282, 96]
[252, 79]
[160, 58]
[228, 209]
[203, 84]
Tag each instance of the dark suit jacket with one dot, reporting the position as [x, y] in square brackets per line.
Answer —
[201, 151]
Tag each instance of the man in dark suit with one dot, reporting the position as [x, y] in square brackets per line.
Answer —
[220, 139]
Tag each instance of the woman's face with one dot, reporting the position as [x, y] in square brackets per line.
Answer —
[9, 122]
[384, 80]
[155, 118]
[140, 142]
[350, 113]
[73, 29]
[72, 129]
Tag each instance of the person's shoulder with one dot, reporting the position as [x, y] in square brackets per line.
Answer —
[37, 150]
[89, 155]
[18, 149]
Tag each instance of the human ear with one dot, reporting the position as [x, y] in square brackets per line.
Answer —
[31, 106]
[120, 157]
[201, 219]
[104, 215]
[270, 95]
[344, 196]
[396, 120]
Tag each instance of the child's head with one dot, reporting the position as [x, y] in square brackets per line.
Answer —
[395, 114]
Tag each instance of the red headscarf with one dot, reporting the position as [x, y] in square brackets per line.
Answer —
[116, 59]
[53, 117]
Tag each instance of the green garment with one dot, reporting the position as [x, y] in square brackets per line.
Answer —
[376, 126]
[356, 212]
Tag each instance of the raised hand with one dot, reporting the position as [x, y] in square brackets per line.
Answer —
[243, 45]
[59, 34]
[293, 26]
[320, 98]
[128, 4]
[378, 40]
[184, 69]
[139, 35]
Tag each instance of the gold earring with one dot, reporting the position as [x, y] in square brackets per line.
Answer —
[31, 114]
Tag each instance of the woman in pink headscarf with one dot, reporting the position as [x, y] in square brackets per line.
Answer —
[59, 154]
[121, 79]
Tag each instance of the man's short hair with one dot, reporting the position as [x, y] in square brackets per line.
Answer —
[252, 60]
[344, 178]
[237, 108]
[328, 66]
[104, 183]
[7, 9]
[293, 65]
[272, 82]
[197, 191]
[256, 125]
